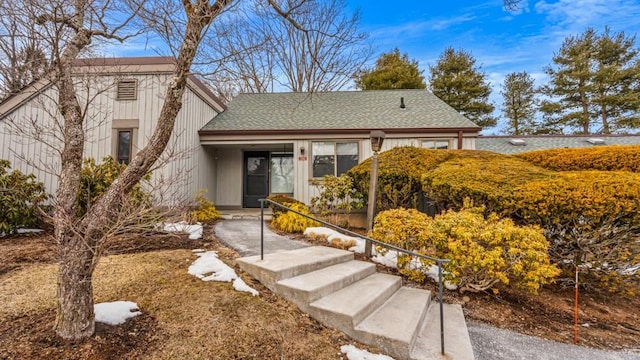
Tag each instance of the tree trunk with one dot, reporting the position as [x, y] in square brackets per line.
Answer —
[75, 317]
[605, 121]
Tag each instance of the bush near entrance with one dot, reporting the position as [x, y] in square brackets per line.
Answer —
[484, 252]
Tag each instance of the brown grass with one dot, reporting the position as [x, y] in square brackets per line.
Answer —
[193, 319]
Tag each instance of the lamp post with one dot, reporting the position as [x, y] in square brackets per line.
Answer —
[377, 137]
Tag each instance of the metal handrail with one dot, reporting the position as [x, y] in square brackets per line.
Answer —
[439, 262]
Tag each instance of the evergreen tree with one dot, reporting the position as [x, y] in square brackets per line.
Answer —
[616, 82]
[392, 71]
[594, 84]
[456, 80]
[519, 103]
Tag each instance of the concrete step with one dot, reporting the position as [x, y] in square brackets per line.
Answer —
[286, 264]
[456, 336]
[347, 307]
[306, 288]
[394, 326]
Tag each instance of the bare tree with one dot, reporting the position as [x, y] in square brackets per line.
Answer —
[321, 50]
[22, 59]
[67, 30]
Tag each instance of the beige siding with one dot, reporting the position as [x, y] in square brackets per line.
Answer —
[229, 177]
[185, 167]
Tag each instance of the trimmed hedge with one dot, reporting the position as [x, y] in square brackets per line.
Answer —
[606, 158]
[399, 173]
[487, 178]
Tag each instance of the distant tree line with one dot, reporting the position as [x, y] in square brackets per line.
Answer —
[594, 87]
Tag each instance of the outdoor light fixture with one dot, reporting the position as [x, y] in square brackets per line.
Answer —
[301, 150]
[377, 137]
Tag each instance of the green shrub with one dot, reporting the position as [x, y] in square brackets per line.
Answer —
[399, 172]
[20, 196]
[483, 251]
[606, 158]
[293, 223]
[205, 211]
[336, 195]
[95, 179]
[487, 178]
[282, 200]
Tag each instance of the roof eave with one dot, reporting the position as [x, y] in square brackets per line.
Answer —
[205, 132]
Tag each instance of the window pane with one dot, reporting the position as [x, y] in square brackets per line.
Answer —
[347, 157]
[124, 146]
[435, 144]
[323, 158]
[256, 165]
[282, 174]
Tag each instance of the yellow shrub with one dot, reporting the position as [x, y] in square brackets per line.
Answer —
[607, 158]
[293, 223]
[590, 217]
[486, 178]
[483, 252]
[205, 210]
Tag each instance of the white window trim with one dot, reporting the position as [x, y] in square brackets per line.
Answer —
[335, 164]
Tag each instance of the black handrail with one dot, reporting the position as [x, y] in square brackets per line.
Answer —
[439, 262]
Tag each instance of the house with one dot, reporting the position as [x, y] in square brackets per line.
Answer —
[519, 144]
[123, 98]
[275, 143]
[260, 144]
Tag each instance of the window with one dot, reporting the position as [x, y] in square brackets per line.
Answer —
[127, 90]
[282, 175]
[124, 146]
[331, 158]
[124, 135]
[435, 144]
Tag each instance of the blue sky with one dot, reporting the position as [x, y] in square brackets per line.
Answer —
[501, 41]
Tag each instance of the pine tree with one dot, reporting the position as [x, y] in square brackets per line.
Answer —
[616, 80]
[392, 71]
[519, 103]
[594, 84]
[456, 80]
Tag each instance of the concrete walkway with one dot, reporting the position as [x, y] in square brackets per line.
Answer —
[489, 343]
[243, 235]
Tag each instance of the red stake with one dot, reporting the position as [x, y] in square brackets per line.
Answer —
[575, 315]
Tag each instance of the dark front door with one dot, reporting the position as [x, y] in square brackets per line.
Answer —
[256, 178]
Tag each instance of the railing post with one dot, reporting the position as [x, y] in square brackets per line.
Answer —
[440, 298]
[261, 229]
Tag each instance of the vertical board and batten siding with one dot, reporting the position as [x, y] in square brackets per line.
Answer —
[228, 183]
[191, 169]
[21, 150]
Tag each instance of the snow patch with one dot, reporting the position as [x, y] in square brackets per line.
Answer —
[116, 312]
[353, 353]
[240, 285]
[388, 259]
[194, 231]
[208, 267]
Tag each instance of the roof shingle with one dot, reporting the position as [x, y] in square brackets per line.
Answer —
[379, 109]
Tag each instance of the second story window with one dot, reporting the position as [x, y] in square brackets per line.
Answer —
[123, 155]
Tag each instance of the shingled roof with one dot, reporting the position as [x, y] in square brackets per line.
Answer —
[518, 144]
[379, 109]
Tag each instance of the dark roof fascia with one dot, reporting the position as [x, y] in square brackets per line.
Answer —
[556, 136]
[337, 131]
